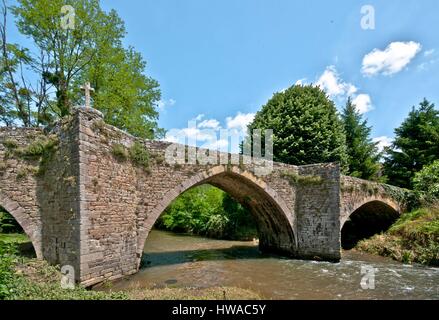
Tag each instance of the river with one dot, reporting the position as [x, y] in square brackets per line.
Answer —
[189, 261]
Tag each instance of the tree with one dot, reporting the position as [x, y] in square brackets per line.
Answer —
[415, 146]
[88, 50]
[122, 91]
[363, 154]
[306, 127]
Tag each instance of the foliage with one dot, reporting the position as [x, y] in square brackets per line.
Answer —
[208, 211]
[426, 181]
[413, 238]
[416, 145]
[306, 128]
[125, 95]
[363, 154]
[7, 278]
[139, 155]
[38, 148]
[119, 151]
[7, 223]
[10, 144]
[40, 85]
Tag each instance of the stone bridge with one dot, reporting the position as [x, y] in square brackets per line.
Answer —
[87, 197]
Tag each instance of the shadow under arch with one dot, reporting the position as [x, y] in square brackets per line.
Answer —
[369, 218]
[29, 227]
[276, 224]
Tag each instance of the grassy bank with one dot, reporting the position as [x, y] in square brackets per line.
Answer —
[413, 238]
[22, 278]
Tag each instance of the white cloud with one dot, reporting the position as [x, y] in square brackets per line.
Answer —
[363, 103]
[300, 82]
[206, 133]
[331, 82]
[209, 124]
[383, 142]
[221, 144]
[429, 52]
[430, 59]
[391, 60]
[162, 104]
[240, 121]
[333, 85]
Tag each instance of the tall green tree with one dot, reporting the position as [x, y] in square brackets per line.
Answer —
[306, 127]
[416, 145]
[64, 57]
[123, 92]
[363, 156]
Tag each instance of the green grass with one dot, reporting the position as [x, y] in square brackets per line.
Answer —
[413, 238]
[30, 279]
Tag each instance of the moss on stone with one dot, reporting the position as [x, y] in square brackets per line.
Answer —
[296, 179]
[38, 148]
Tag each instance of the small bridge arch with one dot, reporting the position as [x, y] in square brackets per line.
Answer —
[367, 208]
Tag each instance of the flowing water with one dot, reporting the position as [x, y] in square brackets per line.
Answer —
[187, 261]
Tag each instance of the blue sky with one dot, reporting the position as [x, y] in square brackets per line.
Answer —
[225, 58]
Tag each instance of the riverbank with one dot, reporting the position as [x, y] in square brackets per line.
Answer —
[414, 238]
[23, 278]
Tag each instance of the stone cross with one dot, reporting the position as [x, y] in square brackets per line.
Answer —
[88, 89]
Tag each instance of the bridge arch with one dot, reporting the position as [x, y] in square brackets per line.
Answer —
[275, 221]
[369, 217]
[29, 227]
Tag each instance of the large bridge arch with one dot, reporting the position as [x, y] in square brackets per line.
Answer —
[31, 228]
[276, 223]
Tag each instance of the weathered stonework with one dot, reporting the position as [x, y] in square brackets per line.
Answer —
[93, 209]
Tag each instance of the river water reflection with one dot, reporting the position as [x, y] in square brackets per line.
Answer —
[188, 261]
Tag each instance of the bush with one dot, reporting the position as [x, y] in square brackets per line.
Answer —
[426, 181]
[119, 151]
[38, 148]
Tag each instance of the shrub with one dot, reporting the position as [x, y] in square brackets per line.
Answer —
[119, 151]
[10, 144]
[426, 181]
[139, 155]
[38, 148]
